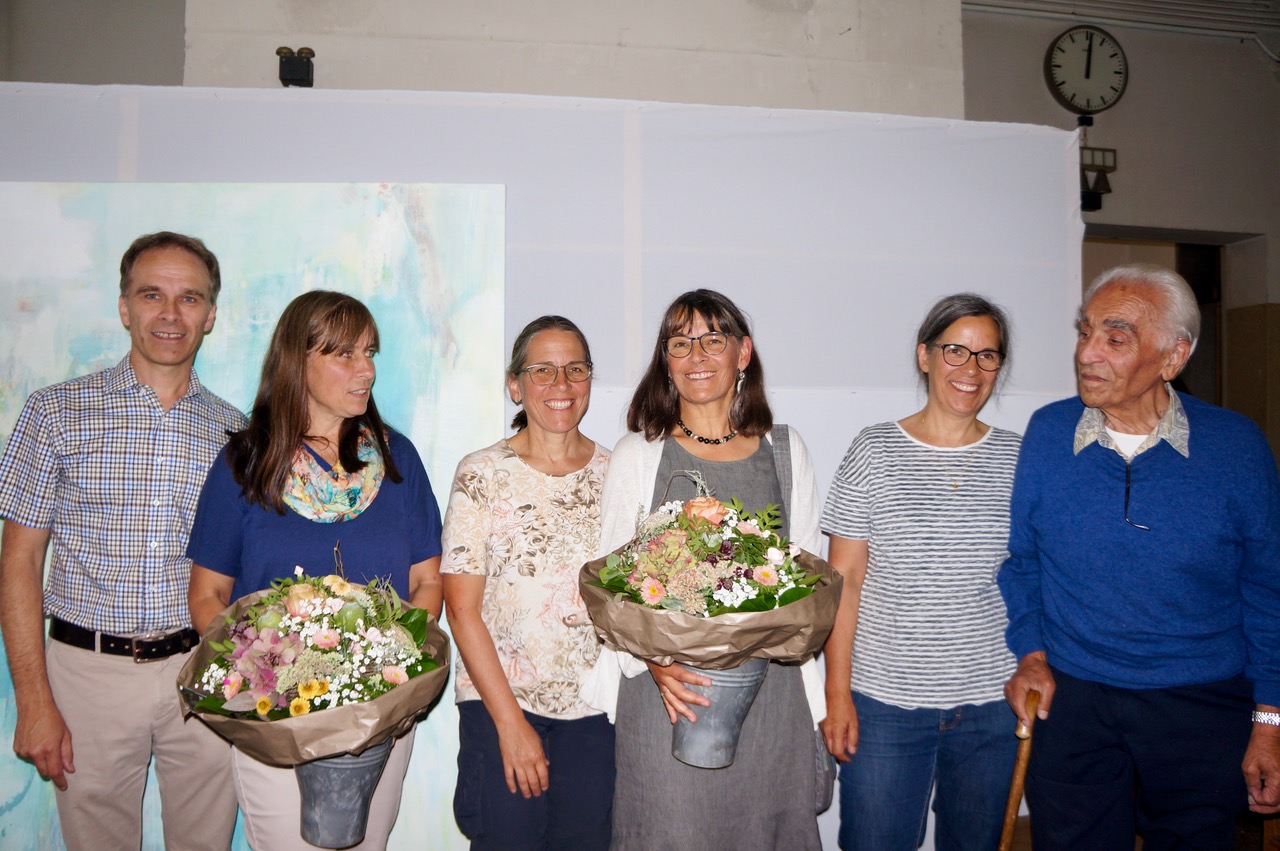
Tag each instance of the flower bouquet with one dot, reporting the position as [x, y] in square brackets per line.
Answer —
[714, 587]
[316, 667]
[709, 584]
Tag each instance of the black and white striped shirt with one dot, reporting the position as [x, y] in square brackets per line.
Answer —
[931, 621]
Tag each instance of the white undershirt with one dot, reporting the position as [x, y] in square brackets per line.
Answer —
[1127, 443]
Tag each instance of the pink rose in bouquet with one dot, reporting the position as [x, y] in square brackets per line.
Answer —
[707, 558]
[708, 508]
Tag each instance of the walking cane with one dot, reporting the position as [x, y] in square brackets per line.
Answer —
[1019, 772]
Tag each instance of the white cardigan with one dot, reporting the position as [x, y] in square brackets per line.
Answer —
[628, 493]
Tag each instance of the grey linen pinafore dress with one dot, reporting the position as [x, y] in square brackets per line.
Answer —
[765, 799]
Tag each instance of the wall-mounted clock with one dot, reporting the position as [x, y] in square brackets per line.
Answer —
[1086, 70]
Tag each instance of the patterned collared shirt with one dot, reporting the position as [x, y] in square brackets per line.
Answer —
[115, 478]
[1173, 427]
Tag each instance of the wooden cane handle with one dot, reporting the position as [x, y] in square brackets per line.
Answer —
[1033, 706]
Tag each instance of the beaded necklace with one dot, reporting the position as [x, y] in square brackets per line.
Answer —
[714, 441]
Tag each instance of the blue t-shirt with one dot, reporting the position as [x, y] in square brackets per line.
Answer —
[255, 545]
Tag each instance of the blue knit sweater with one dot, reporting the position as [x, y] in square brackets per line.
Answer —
[1194, 600]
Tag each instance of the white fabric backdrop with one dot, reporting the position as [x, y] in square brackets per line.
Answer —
[835, 231]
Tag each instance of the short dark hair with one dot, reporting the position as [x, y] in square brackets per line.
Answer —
[169, 239]
[655, 406]
[520, 351]
[950, 309]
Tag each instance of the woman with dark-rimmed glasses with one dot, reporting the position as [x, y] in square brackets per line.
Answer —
[535, 763]
[918, 515]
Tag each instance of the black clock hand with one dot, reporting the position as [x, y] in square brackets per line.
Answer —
[1088, 57]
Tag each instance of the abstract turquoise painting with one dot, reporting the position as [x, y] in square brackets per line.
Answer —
[428, 261]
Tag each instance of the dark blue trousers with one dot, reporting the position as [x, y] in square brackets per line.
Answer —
[576, 811]
[1109, 762]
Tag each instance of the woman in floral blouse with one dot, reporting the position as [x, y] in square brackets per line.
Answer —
[535, 764]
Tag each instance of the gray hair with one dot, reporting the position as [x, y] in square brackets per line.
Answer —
[1180, 311]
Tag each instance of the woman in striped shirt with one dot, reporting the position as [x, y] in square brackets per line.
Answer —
[918, 516]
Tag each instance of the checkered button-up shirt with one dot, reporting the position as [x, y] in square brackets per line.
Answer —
[115, 478]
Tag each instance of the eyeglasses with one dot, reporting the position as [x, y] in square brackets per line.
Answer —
[712, 342]
[989, 360]
[1126, 502]
[545, 373]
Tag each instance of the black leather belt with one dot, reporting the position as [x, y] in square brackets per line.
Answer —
[143, 648]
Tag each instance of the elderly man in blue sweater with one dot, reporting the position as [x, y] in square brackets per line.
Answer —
[1143, 589]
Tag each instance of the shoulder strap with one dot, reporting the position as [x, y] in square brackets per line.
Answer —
[781, 435]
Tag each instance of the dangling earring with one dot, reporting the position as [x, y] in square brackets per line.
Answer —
[742, 376]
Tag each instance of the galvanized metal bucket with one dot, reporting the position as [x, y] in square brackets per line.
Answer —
[336, 792]
[713, 741]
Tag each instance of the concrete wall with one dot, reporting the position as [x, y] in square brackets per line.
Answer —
[1197, 132]
[6, 35]
[892, 56]
[1197, 136]
[92, 41]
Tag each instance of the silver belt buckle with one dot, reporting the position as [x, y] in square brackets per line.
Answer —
[136, 642]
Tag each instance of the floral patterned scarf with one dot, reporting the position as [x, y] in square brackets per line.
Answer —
[332, 496]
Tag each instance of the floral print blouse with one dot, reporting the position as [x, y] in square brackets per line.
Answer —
[528, 533]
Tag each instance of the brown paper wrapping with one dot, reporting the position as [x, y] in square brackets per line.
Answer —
[327, 732]
[792, 633]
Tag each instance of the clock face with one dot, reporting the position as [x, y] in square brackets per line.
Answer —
[1086, 70]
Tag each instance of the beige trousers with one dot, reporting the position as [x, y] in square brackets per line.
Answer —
[121, 714]
[272, 804]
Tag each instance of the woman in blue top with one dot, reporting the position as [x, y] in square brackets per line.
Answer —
[314, 469]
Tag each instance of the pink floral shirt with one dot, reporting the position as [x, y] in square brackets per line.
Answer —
[529, 534]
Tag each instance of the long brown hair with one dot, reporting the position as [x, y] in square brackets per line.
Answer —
[655, 406]
[261, 455]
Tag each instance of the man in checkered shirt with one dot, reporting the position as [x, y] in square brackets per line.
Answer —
[108, 467]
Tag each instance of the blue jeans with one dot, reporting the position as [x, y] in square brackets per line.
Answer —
[967, 752]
